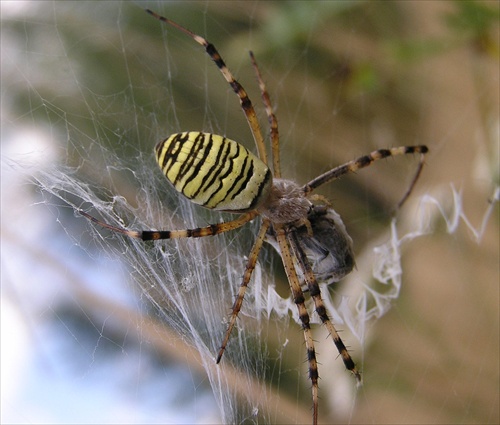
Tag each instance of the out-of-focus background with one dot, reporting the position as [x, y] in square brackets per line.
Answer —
[345, 78]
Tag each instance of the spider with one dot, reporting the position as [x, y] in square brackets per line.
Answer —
[221, 174]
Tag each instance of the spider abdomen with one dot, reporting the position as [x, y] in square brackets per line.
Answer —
[213, 171]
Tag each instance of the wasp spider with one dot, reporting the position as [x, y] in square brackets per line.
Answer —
[221, 174]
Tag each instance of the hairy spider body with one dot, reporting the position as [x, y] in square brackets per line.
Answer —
[286, 204]
[221, 174]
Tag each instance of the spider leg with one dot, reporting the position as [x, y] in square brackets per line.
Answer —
[361, 162]
[298, 298]
[252, 260]
[412, 184]
[273, 121]
[315, 292]
[245, 102]
[148, 235]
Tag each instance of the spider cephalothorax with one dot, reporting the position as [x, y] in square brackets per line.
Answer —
[286, 203]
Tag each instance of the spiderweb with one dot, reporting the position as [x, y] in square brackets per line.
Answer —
[93, 87]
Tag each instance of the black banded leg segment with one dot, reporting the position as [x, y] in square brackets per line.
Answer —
[362, 162]
[150, 235]
[252, 261]
[271, 118]
[413, 183]
[245, 101]
[298, 298]
[315, 293]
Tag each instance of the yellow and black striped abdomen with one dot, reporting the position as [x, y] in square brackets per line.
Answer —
[213, 171]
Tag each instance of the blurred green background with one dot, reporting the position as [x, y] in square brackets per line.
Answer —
[345, 78]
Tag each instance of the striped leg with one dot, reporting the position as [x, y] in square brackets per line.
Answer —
[298, 298]
[273, 122]
[252, 261]
[245, 102]
[315, 293]
[361, 162]
[149, 235]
